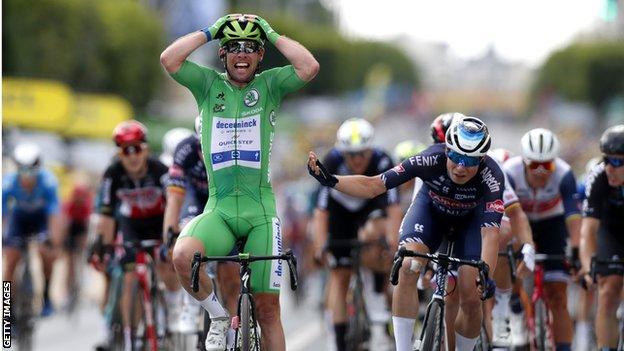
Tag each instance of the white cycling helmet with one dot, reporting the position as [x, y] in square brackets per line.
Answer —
[539, 145]
[170, 141]
[355, 134]
[468, 136]
[27, 155]
[500, 155]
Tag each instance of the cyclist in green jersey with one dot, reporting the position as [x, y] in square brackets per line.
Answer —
[238, 111]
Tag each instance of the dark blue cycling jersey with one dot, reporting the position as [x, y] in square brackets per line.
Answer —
[27, 212]
[188, 171]
[484, 189]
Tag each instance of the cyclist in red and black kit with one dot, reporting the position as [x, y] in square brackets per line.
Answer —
[602, 232]
[132, 200]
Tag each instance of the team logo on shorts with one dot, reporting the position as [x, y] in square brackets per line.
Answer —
[251, 98]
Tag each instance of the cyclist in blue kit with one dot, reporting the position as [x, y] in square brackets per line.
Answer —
[462, 192]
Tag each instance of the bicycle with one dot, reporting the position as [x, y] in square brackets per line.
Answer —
[432, 332]
[245, 323]
[541, 323]
[148, 312]
[595, 262]
[24, 295]
[359, 324]
[484, 343]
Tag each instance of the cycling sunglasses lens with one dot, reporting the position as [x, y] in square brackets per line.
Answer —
[614, 161]
[248, 47]
[132, 149]
[547, 166]
[466, 161]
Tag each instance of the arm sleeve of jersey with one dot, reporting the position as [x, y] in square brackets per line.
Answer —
[569, 195]
[385, 164]
[322, 198]
[177, 176]
[6, 190]
[284, 80]
[594, 194]
[493, 184]
[196, 78]
[509, 195]
[108, 200]
[52, 199]
[420, 165]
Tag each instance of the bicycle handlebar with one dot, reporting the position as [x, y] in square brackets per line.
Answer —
[484, 269]
[244, 258]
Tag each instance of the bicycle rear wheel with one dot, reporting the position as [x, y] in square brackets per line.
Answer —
[24, 311]
[434, 328]
[358, 331]
[249, 339]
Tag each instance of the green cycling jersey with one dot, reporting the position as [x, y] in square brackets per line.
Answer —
[237, 130]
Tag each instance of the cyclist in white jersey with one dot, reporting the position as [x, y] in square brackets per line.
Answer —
[546, 188]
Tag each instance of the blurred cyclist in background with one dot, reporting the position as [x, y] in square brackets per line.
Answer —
[131, 209]
[30, 210]
[340, 217]
[76, 212]
[546, 188]
[170, 141]
[402, 151]
[602, 233]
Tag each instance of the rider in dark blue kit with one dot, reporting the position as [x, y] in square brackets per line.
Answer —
[463, 192]
[30, 207]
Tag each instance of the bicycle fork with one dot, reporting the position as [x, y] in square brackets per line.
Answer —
[143, 278]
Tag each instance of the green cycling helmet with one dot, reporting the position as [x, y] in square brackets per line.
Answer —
[241, 29]
[406, 149]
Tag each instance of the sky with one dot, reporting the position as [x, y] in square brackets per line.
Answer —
[520, 30]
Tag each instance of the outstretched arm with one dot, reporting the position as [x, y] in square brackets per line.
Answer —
[354, 185]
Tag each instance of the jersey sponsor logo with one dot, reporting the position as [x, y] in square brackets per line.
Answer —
[141, 202]
[218, 108]
[251, 97]
[221, 96]
[495, 206]
[533, 206]
[452, 203]
[420, 160]
[419, 228]
[276, 265]
[464, 196]
[398, 169]
[235, 142]
[489, 179]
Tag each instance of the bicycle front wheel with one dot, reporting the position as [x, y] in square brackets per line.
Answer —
[542, 326]
[434, 328]
[248, 326]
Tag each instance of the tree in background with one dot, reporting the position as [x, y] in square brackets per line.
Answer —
[94, 46]
[585, 72]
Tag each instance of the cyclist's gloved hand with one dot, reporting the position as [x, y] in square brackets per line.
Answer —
[528, 256]
[271, 34]
[320, 173]
[487, 288]
[214, 31]
[575, 260]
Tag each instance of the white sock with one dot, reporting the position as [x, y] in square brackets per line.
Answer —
[127, 338]
[213, 306]
[501, 306]
[582, 329]
[463, 343]
[403, 332]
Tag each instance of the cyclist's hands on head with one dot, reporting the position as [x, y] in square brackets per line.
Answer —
[215, 29]
[319, 172]
[270, 34]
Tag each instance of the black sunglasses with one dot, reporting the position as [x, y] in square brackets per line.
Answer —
[132, 149]
[613, 161]
[247, 47]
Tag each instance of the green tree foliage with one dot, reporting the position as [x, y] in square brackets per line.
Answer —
[95, 46]
[588, 72]
[344, 63]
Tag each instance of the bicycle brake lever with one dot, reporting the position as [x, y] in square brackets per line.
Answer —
[195, 271]
[396, 265]
[292, 269]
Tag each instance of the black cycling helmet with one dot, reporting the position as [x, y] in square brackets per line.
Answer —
[441, 124]
[612, 140]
